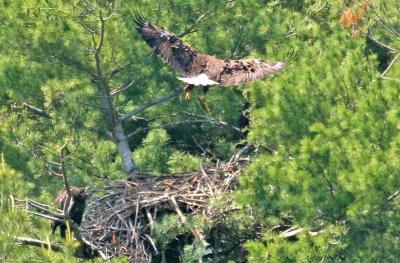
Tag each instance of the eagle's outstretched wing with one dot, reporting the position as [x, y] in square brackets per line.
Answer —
[167, 45]
[202, 69]
[247, 70]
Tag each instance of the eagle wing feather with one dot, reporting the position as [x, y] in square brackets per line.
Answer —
[191, 63]
[236, 72]
[170, 48]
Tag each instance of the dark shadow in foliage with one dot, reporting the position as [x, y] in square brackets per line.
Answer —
[244, 119]
[174, 250]
[382, 53]
[225, 244]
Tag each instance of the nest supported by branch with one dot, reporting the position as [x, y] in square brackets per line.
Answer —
[121, 221]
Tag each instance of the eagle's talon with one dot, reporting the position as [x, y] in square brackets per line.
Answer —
[188, 95]
[188, 92]
[203, 103]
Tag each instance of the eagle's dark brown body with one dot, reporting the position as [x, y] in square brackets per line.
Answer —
[192, 63]
[77, 207]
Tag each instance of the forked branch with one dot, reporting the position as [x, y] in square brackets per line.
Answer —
[383, 75]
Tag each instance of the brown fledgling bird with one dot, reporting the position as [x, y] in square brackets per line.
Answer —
[201, 69]
[76, 208]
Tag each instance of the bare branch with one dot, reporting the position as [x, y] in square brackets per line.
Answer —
[372, 38]
[42, 210]
[102, 132]
[174, 124]
[214, 121]
[46, 216]
[387, 78]
[36, 110]
[150, 104]
[38, 155]
[37, 243]
[394, 196]
[78, 21]
[385, 24]
[40, 206]
[102, 23]
[66, 183]
[168, 125]
[191, 29]
[195, 232]
[383, 75]
[391, 198]
[151, 221]
[126, 85]
[292, 231]
[295, 230]
[242, 151]
[119, 69]
[113, 9]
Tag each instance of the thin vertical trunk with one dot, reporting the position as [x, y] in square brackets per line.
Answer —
[114, 124]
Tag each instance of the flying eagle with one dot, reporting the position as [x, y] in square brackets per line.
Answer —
[201, 69]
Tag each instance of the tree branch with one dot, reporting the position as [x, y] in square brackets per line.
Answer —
[150, 104]
[38, 209]
[391, 198]
[373, 39]
[101, 132]
[119, 69]
[113, 122]
[214, 121]
[66, 207]
[203, 119]
[37, 243]
[100, 45]
[174, 124]
[37, 110]
[113, 9]
[295, 230]
[384, 23]
[190, 29]
[126, 85]
[52, 218]
[78, 21]
[199, 236]
[389, 67]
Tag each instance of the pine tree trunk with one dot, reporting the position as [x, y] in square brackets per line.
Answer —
[124, 150]
[114, 125]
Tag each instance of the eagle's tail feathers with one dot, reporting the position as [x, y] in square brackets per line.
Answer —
[199, 80]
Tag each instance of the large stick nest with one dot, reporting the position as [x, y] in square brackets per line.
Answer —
[121, 221]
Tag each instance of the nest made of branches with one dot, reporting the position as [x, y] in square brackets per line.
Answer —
[121, 221]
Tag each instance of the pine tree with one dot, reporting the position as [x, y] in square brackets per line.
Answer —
[324, 183]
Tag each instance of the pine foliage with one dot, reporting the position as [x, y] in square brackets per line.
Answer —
[326, 129]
